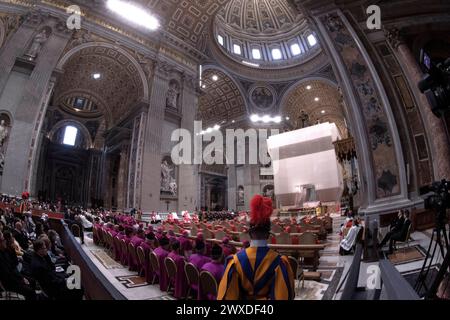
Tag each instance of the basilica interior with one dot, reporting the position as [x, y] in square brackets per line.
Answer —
[101, 99]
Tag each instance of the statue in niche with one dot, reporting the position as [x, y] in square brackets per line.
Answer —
[36, 45]
[172, 95]
[168, 181]
[240, 194]
[3, 132]
[303, 120]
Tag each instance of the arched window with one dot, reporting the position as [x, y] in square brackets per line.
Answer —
[70, 135]
[276, 54]
[312, 40]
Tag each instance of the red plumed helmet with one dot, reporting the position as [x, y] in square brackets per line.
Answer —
[25, 195]
[260, 210]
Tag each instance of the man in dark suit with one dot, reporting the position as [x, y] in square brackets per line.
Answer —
[396, 226]
[43, 270]
[21, 236]
[402, 233]
[10, 277]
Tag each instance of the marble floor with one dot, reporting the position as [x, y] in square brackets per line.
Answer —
[127, 282]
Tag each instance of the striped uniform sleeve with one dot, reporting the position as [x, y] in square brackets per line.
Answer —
[229, 285]
[283, 287]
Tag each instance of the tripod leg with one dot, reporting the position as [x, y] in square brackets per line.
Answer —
[418, 285]
[442, 271]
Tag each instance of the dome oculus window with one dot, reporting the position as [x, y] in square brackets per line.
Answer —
[276, 54]
[295, 49]
[237, 49]
[70, 136]
[312, 40]
[220, 40]
[256, 54]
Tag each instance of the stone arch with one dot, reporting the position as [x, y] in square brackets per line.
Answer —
[73, 51]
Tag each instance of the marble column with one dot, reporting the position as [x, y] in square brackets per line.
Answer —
[251, 183]
[28, 111]
[187, 177]
[232, 187]
[122, 179]
[380, 155]
[435, 130]
[135, 161]
[94, 176]
[208, 196]
[151, 158]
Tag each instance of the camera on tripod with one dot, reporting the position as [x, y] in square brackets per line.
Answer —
[436, 83]
[440, 197]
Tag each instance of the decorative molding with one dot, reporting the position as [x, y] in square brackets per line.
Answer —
[394, 37]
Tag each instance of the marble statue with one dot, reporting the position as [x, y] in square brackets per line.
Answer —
[303, 120]
[168, 182]
[3, 132]
[172, 96]
[36, 45]
[240, 195]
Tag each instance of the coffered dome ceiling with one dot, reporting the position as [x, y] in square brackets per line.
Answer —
[92, 74]
[264, 33]
[260, 17]
[319, 100]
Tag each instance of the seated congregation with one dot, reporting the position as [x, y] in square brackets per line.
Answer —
[33, 261]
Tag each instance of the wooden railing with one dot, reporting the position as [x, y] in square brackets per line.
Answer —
[353, 275]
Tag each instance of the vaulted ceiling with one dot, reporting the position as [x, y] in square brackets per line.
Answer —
[328, 108]
[221, 100]
[117, 90]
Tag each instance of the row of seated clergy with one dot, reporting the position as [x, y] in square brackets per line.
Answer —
[168, 247]
[179, 280]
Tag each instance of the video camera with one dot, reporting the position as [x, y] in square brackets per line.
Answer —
[439, 200]
[435, 84]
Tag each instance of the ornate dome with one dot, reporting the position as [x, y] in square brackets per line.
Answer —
[264, 33]
[260, 17]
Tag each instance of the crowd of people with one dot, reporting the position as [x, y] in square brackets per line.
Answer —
[32, 258]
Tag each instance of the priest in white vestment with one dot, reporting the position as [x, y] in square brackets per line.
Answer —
[350, 239]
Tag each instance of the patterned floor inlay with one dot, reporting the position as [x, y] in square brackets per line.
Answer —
[407, 255]
[132, 281]
[105, 259]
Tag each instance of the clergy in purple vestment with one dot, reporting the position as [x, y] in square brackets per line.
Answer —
[180, 284]
[162, 252]
[148, 245]
[198, 259]
[138, 238]
[185, 244]
[121, 234]
[216, 267]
